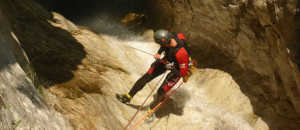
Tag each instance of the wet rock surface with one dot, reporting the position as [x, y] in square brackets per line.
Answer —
[21, 107]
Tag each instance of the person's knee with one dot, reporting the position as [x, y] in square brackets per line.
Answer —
[160, 91]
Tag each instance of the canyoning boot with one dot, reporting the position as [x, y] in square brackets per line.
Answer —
[124, 98]
[150, 117]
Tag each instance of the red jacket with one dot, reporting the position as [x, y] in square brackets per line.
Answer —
[182, 59]
[178, 54]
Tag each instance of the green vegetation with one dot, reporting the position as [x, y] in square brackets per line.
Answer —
[7, 107]
[38, 82]
[16, 124]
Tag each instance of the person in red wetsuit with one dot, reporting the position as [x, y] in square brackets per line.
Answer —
[176, 59]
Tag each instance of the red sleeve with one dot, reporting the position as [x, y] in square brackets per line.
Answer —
[182, 58]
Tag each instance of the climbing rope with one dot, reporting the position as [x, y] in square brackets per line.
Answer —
[156, 107]
[153, 88]
[139, 50]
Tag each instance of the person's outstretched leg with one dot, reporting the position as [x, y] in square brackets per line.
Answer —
[157, 68]
[140, 83]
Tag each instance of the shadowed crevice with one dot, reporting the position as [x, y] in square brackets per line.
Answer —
[53, 52]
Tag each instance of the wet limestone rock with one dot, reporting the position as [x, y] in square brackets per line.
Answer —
[21, 106]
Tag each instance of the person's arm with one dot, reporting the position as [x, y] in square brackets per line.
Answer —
[161, 49]
[157, 55]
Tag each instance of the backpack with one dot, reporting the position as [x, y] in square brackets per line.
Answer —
[180, 36]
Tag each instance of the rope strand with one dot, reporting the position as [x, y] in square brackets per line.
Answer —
[156, 107]
[153, 88]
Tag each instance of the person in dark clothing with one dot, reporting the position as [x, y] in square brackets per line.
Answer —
[176, 59]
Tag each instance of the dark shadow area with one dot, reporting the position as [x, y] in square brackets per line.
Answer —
[77, 10]
[53, 52]
[101, 16]
[6, 56]
[174, 105]
[170, 107]
[297, 30]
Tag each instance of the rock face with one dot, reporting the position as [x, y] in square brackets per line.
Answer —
[297, 28]
[21, 107]
[248, 39]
